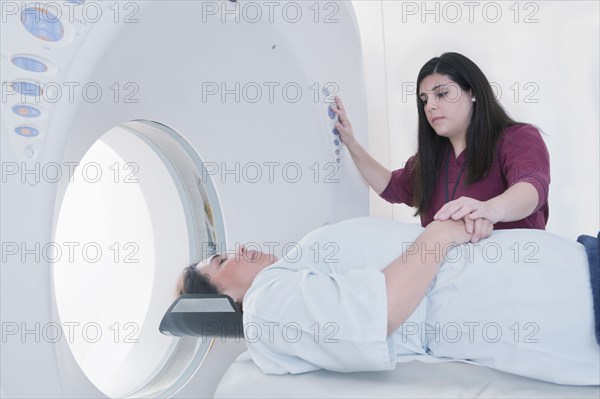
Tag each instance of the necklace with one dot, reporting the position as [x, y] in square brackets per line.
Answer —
[446, 177]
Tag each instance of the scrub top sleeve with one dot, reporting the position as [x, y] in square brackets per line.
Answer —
[304, 321]
[400, 187]
[524, 158]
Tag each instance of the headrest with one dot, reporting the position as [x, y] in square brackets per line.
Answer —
[203, 315]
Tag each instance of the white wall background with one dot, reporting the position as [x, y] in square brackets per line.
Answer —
[543, 57]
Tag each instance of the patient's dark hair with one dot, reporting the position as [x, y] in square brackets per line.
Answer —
[191, 281]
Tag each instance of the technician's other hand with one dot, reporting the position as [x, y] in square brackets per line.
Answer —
[466, 206]
[343, 125]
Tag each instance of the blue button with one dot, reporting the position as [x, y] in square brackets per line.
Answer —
[337, 160]
[42, 24]
[335, 131]
[27, 131]
[28, 89]
[337, 152]
[26, 111]
[29, 64]
[330, 112]
[336, 142]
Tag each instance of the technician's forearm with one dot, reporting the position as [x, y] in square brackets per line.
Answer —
[516, 203]
[376, 175]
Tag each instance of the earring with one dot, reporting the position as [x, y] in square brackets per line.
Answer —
[472, 99]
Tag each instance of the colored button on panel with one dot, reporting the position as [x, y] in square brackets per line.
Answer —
[332, 114]
[29, 64]
[42, 24]
[27, 131]
[29, 152]
[26, 111]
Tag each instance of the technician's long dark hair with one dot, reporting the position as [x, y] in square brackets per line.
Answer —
[488, 121]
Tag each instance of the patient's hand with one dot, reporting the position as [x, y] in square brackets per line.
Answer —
[454, 230]
[480, 228]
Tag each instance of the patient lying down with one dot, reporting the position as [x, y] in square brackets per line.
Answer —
[385, 292]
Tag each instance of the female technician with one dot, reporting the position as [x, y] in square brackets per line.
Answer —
[473, 161]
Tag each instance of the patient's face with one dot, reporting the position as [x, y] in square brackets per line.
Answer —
[233, 273]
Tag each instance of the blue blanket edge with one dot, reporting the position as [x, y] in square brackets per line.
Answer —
[592, 249]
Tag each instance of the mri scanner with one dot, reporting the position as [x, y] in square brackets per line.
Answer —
[217, 111]
[224, 115]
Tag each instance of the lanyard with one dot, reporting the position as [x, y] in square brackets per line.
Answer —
[446, 176]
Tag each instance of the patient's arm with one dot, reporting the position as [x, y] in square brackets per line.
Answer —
[409, 276]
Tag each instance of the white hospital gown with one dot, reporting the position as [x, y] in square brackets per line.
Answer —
[520, 301]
